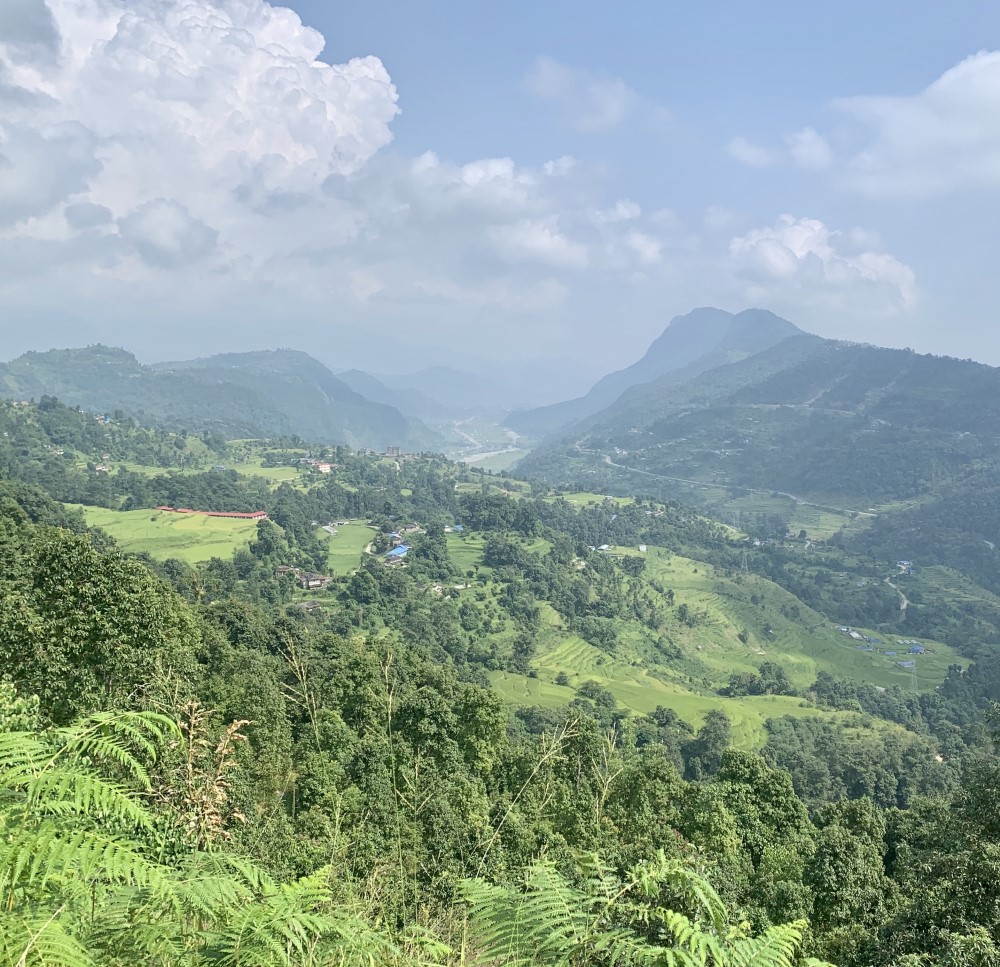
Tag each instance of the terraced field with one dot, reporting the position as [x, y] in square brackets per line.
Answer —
[465, 550]
[347, 546]
[188, 537]
[777, 627]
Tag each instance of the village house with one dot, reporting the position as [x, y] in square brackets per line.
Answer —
[396, 555]
[307, 580]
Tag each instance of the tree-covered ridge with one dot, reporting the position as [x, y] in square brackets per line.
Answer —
[835, 422]
[279, 393]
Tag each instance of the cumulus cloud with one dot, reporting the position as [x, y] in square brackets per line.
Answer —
[592, 101]
[802, 258]
[539, 241]
[40, 168]
[180, 98]
[945, 138]
[748, 153]
[85, 214]
[623, 210]
[198, 155]
[164, 233]
[28, 27]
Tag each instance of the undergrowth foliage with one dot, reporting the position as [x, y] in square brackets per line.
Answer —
[605, 920]
[95, 869]
[82, 880]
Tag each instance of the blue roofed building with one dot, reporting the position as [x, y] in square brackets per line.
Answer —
[397, 553]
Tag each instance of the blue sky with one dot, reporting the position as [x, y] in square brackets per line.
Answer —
[472, 182]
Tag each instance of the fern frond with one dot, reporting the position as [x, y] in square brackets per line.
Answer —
[72, 792]
[776, 947]
[40, 942]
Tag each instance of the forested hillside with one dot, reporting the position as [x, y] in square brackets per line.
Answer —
[558, 728]
[236, 395]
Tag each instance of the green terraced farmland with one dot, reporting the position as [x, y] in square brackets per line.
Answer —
[188, 537]
[584, 499]
[642, 694]
[465, 550]
[777, 627]
[347, 546]
[783, 629]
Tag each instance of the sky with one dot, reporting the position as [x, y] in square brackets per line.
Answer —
[402, 184]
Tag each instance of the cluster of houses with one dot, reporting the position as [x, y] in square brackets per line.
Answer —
[905, 567]
[912, 646]
[320, 466]
[308, 580]
[400, 548]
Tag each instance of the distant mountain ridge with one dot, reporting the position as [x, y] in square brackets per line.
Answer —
[265, 393]
[700, 340]
[830, 422]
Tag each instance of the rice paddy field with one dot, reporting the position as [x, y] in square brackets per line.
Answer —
[188, 537]
[347, 546]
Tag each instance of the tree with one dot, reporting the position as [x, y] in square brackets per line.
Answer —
[703, 753]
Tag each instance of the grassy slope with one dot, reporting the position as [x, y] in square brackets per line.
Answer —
[347, 546]
[801, 640]
[189, 537]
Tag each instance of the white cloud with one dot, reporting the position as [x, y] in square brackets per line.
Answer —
[806, 149]
[623, 210]
[186, 97]
[645, 246]
[592, 101]
[946, 138]
[539, 241]
[165, 234]
[809, 149]
[802, 260]
[195, 157]
[748, 153]
[41, 167]
[28, 27]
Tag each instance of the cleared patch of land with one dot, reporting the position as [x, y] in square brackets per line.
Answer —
[188, 537]
[347, 546]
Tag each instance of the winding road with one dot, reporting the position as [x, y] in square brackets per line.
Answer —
[904, 601]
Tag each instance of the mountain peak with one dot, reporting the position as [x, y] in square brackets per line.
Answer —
[700, 339]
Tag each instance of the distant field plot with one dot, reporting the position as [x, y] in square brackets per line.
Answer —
[643, 694]
[274, 474]
[189, 537]
[347, 546]
[148, 470]
[465, 550]
[817, 522]
[736, 623]
[781, 628]
[584, 499]
[502, 460]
